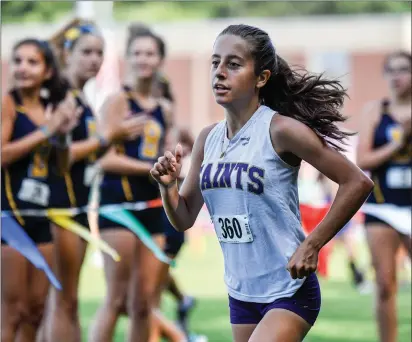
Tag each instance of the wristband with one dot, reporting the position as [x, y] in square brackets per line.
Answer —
[45, 130]
[102, 140]
[62, 140]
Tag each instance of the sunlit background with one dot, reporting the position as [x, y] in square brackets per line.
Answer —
[346, 40]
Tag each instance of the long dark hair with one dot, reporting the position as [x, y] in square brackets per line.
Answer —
[165, 88]
[310, 99]
[56, 86]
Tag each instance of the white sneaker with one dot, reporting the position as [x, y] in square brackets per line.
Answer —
[198, 338]
[364, 288]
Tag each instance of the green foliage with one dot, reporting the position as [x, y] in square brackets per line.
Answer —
[289, 8]
[37, 11]
[149, 11]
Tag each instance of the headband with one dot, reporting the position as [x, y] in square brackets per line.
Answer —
[73, 34]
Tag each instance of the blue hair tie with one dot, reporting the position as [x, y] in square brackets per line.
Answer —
[73, 34]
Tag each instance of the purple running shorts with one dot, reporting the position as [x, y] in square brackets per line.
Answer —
[305, 302]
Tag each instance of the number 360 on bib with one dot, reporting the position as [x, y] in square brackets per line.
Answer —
[233, 229]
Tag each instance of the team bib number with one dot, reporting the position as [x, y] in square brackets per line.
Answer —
[399, 178]
[233, 229]
[35, 192]
[89, 174]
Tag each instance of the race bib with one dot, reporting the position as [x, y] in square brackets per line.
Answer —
[35, 192]
[399, 178]
[233, 229]
[89, 174]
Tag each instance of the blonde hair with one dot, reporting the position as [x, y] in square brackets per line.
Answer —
[58, 39]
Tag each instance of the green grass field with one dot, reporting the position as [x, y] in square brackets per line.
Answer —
[346, 316]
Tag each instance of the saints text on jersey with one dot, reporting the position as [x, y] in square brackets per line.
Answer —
[238, 175]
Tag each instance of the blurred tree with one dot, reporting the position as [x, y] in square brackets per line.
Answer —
[10, 9]
[20, 11]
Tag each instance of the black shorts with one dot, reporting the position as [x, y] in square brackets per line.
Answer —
[372, 219]
[82, 220]
[37, 228]
[152, 220]
[174, 239]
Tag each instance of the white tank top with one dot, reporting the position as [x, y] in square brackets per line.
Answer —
[252, 197]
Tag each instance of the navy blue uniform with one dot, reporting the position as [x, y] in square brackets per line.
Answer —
[74, 190]
[393, 178]
[117, 189]
[174, 238]
[25, 184]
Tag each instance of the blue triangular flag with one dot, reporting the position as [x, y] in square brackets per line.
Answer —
[17, 238]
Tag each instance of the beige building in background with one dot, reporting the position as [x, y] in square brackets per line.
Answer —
[351, 48]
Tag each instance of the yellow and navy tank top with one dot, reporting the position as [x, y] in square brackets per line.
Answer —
[393, 178]
[25, 184]
[146, 147]
[74, 191]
